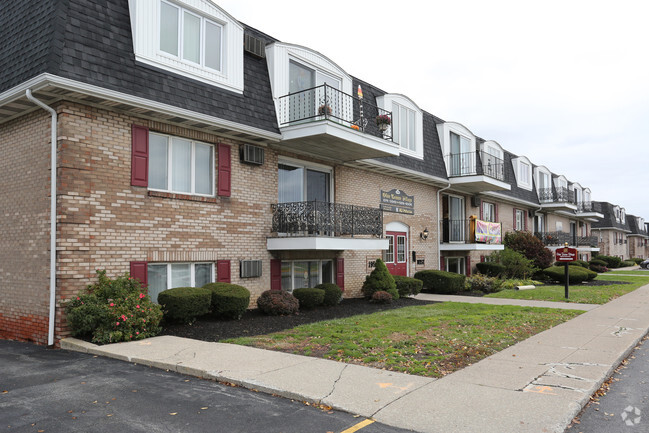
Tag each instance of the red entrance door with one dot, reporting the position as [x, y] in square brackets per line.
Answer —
[396, 258]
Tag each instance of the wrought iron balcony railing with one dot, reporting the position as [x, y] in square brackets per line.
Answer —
[318, 218]
[462, 231]
[558, 195]
[584, 206]
[560, 238]
[475, 163]
[328, 103]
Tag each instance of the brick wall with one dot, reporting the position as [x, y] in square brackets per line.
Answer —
[24, 208]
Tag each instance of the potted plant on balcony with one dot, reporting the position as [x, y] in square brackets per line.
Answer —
[383, 121]
[324, 110]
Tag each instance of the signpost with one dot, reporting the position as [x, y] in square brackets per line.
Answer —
[566, 255]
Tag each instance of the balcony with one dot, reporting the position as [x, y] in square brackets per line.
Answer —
[317, 225]
[559, 199]
[325, 122]
[585, 210]
[460, 235]
[559, 239]
[477, 171]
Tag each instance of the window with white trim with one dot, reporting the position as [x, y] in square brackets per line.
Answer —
[401, 249]
[524, 172]
[488, 212]
[190, 37]
[180, 165]
[306, 273]
[519, 223]
[403, 129]
[163, 276]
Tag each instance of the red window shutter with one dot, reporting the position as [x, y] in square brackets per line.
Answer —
[340, 273]
[223, 271]
[468, 266]
[481, 259]
[515, 219]
[139, 271]
[139, 155]
[442, 265]
[275, 274]
[224, 170]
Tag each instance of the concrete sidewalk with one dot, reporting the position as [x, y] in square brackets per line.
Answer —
[503, 301]
[537, 385]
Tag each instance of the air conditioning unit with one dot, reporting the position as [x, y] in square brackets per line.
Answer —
[252, 154]
[475, 201]
[250, 268]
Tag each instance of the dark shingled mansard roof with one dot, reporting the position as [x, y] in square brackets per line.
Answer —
[608, 221]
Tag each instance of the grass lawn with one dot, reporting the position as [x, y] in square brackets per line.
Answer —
[431, 340]
[636, 272]
[578, 293]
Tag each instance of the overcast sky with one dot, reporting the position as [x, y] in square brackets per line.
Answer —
[565, 83]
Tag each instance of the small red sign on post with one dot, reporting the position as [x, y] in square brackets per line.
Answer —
[566, 254]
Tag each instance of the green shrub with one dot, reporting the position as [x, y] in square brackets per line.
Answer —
[483, 283]
[611, 262]
[597, 262]
[512, 284]
[277, 303]
[575, 274]
[229, 301]
[591, 274]
[185, 304]
[598, 268]
[333, 293]
[581, 263]
[381, 297]
[113, 310]
[309, 297]
[530, 247]
[627, 263]
[407, 286]
[637, 260]
[441, 281]
[394, 293]
[379, 279]
[490, 269]
[516, 265]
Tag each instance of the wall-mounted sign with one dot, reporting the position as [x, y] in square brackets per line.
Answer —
[371, 263]
[397, 201]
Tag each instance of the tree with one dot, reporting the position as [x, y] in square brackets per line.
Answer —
[531, 247]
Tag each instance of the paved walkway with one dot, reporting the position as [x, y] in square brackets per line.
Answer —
[537, 385]
[503, 301]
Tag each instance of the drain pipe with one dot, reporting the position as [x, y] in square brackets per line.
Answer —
[439, 247]
[50, 335]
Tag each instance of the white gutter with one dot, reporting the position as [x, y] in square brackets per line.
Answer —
[439, 247]
[50, 335]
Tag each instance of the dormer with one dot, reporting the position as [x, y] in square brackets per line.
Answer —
[407, 123]
[622, 215]
[560, 182]
[193, 38]
[523, 172]
[617, 213]
[578, 193]
[456, 139]
[543, 177]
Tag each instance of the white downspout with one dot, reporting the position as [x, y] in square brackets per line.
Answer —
[439, 247]
[50, 335]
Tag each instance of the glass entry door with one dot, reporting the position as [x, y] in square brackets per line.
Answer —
[460, 155]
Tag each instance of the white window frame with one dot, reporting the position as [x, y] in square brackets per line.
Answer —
[444, 131]
[522, 164]
[519, 223]
[461, 263]
[297, 163]
[488, 211]
[202, 45]
[388, 102]
[399, 251]
[320, 262]
[145, 24]
[192, 166]
[192, 271]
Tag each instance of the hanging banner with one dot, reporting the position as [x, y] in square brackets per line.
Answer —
[397, 201]
[487, 232]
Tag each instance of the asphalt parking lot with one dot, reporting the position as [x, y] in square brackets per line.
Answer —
[45, 390]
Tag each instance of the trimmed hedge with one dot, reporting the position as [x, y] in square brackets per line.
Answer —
[277, 303]
[611, 262]
[483, 283]
[598, 262]
[627, 263]
[576, 274]
[407, 286]
[441, 281]
[379, 279]
[309, 297]
[228, 300]
[381, 297]
[333, 293]
[185, 304]
[637, 260]
[490, 269]
[598, 268]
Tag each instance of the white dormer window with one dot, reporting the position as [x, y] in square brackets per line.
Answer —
[587, 195]
[623, 216]
[189, 37]
[458, 148]
[616, 212]
[407, 123]
[523, 172]
[192, 38]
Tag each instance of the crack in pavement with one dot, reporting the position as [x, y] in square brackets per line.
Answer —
[333, 388]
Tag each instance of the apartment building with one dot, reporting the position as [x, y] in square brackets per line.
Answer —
[168, 140]
[620, 234]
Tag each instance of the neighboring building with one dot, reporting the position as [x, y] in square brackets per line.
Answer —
[612, 230]
[191, 148]
[637, 239]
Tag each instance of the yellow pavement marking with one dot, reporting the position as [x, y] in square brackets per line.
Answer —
[541, 390]
[358, 426]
